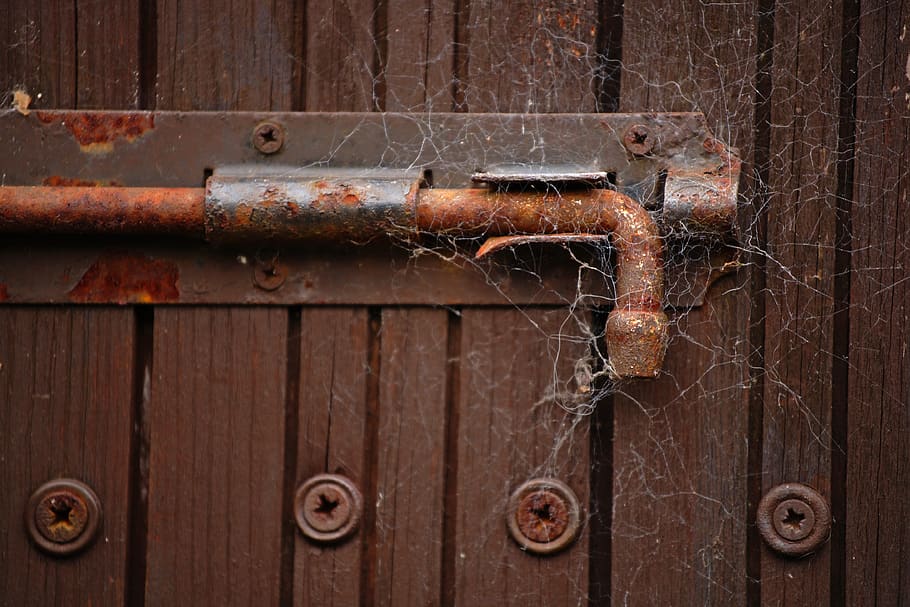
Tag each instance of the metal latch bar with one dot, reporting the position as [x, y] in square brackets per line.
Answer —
[237, 210]
[667, 176]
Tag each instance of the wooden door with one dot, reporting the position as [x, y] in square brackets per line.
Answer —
[194, 424]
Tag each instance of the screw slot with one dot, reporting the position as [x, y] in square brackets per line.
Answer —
[268, 137]
[63, 516]
[543, 516]
[328, 508]
[793, 519]
[638, 140]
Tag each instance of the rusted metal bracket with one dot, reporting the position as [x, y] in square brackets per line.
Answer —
[632, 180]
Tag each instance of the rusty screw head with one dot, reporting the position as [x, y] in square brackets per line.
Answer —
[269, 277]
[793, 519]
[328, 508]
[638, 140]
[63, 516]
[268, 137]
[543, 516]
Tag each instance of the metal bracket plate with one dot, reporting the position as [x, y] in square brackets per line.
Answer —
[669, 162]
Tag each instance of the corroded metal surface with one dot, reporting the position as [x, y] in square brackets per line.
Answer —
[102, 210]
[543, 516]
[122, 277]
[793, 519]
[357, 210]
[63, 516]
[282, 210]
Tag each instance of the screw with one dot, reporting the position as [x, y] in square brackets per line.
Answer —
[269, 277]
[328, 508]
[63, 516]
[268, 273]
[638, 140]
[544, 516]
[793, 519]
[268, 137]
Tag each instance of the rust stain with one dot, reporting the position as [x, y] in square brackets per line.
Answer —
[334, 196]
[119, 277]
[4, 293]
[97, 131]
[59, 181]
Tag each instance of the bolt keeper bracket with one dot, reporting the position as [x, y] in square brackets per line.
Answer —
[636, 181]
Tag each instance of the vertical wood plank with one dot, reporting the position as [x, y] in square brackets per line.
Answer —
[799, 300]
[331, 438]
[237, 57]
[65, 411]
[342, 56]
[878, 474]
[519, 57]
[216, 423]
[38, 52]
[680, 449]
[107, 54]
[512, 429]
[529, 57]
[410, 457]
[420, 55]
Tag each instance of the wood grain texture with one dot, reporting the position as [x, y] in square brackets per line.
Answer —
[512, 429]
[878, 450]
[342, 57]
[216, 424]
[38, 52]
[799, 301]
[528, 57]
[65, 412]
[332, 431]
[679, 444]
[240, 56]
[107, 54]
[410, 465]
[420, 56]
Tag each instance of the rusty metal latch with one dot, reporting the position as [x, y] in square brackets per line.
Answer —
[663, 188]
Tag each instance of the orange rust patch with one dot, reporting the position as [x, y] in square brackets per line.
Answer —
[99, 130]
[57, 180]
[332, 197]
[127, 278]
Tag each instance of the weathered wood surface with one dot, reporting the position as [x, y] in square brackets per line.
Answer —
[878, 426]
[799, 300]
[215, 415]
[512, 428]
[66, 389]
[679, 445]
[758, 387]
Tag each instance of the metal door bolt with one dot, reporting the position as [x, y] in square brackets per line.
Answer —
[63, 516]
[543, 516]
[268, 137]
[328, 508]
[793, 519]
